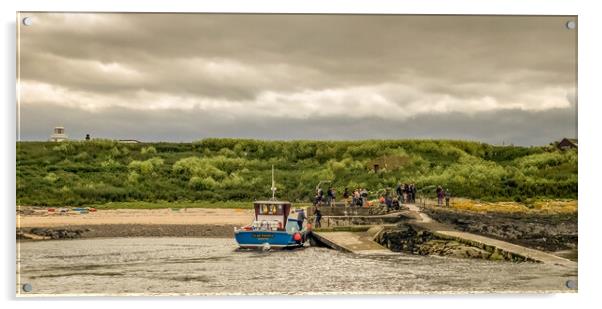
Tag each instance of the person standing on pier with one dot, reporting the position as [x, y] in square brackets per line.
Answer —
[320, 196]
[318, 218]
[364, 196]
[356, 197]
[399, 192]
[330, 196]
[439, 196]
[346, 196]
[447, 197]
[388, 201]
[300, 218]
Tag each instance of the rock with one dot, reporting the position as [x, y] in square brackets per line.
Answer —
[58, 233]
[473, 252]
[548, 232]
[496, 256]
[405, 238]
[461, 221]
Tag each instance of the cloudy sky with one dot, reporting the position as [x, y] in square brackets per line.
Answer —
[184, 77]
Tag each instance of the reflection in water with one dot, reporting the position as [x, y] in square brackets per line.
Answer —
[214, 266]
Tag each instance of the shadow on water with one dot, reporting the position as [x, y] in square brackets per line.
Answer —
[259, 253]
[103, 274]
[79, 267]
[188, 278]
[197, 259]
[109, 254]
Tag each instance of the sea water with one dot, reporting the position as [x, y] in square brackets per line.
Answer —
[215, 266]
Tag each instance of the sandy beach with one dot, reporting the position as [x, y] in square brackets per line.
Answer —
[30, 217]
[190, 222]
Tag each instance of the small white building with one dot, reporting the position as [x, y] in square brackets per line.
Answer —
[59, 135]
[129, 141]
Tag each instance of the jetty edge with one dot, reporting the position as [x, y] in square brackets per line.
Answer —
[359, 232]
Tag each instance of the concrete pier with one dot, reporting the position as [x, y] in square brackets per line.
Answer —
[357, 242]
[366, 219]
[360, 239]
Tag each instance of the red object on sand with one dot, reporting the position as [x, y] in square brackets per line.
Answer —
[51, 209]
[91, 209]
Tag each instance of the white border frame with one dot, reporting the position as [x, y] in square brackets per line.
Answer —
[589, 83]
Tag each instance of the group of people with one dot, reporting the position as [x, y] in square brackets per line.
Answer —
[330, 197]
[443, 194]
[406, 193]
[357, 198]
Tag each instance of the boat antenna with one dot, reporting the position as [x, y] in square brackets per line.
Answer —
[273, 185]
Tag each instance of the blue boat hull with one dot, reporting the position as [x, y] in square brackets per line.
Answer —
[256, 239]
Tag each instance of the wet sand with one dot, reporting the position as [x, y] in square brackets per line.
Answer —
[136, 230]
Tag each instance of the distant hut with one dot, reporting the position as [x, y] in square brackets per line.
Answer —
[129, 141]
[567, 143]
[58, 135]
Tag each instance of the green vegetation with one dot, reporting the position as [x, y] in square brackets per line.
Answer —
[218, 170]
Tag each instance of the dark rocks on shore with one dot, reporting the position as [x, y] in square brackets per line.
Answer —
[127, 230]
[452, 248]
[404, 238]
[52, 233]
[543, 232]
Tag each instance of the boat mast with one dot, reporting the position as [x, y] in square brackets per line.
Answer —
[273, 185]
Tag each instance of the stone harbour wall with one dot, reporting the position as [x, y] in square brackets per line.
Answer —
[404, 238]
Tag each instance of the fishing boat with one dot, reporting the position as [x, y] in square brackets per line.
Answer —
[272, 227]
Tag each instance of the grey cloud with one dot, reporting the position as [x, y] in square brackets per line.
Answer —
[233, 57]
[346, 50]
[510, 126]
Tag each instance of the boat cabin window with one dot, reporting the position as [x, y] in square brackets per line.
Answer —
[270, 209]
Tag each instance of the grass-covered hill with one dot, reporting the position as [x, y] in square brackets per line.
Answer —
[98, 172]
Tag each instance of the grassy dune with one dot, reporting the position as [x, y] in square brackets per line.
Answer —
[231, 172]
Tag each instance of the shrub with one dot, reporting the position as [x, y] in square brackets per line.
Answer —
[147, 167]
[51, 177]
[148, 150]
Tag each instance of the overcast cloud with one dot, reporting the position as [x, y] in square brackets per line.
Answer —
[183, 77]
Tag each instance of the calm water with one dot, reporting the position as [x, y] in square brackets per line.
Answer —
[214, 266]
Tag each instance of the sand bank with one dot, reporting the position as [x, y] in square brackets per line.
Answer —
[31, 217]
[191, 222]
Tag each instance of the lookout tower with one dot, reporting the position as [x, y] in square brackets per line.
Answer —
[58, 135]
